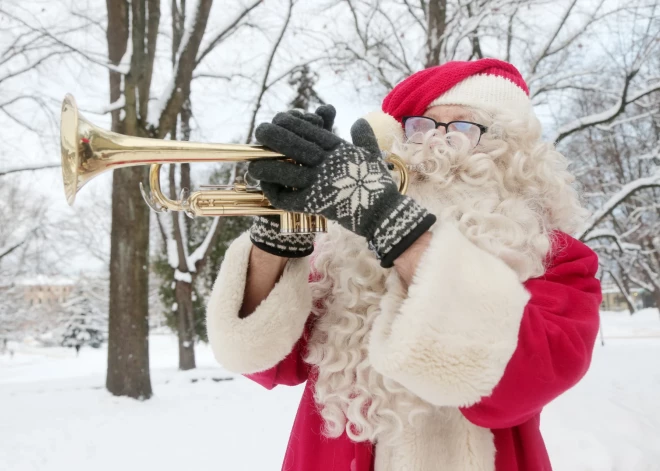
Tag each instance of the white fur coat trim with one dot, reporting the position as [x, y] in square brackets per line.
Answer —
[442, 440]
[265, 337]
[450, 339]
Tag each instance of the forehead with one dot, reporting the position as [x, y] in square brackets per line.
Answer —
[447, 113]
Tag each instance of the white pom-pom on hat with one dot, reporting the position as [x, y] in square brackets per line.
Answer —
[386, 128]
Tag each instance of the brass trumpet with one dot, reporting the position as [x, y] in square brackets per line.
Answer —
[88, 151]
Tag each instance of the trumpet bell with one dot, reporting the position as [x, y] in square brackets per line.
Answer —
[69, 148]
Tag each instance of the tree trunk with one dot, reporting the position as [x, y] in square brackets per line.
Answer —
[128, 332]
[184, 290]
[625, 293]
[656, 298]
[437, 17]
[117, 37]
[128, 338]
[185, 326]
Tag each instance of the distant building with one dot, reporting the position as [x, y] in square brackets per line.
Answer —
[43, 290]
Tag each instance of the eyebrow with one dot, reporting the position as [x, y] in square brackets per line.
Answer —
[465, 116]
[462, 116]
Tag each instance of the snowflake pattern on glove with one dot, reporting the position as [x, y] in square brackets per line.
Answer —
[351, 185]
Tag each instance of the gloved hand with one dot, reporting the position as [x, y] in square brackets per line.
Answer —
[265, 230]
[347, 183]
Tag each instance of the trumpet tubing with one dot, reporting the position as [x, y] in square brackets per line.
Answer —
[88, 151]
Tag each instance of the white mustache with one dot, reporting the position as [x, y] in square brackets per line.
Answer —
[425, 166]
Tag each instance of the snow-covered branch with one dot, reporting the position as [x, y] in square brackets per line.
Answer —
[117, 105]
[28, 168]
[616, 199]
[604, 234]
[653, 277]
[202, 250]
[619, 122]
[228, 30]
[609, 114]
[648, 287]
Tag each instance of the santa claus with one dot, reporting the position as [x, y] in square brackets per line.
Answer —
[431, 329]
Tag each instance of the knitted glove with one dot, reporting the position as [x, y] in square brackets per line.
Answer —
[347, 183]
[265, 230]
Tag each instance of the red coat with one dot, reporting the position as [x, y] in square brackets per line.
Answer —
[555, 341]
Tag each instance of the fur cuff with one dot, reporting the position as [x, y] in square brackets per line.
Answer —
[264, 338]
[450, 338]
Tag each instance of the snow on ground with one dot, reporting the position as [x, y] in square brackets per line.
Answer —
[610, 421]
[55, 414]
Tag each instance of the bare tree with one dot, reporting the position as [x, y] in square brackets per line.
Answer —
[618, 148]
[185, 258]
[390, 40]
[21, 224]
[30, 51]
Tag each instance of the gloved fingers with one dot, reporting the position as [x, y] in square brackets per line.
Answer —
[313, 118]
[363, 136]
[328, 113]
[290, 144]
[285, 198]
[297, 113]
[282, 173]
[321, 137]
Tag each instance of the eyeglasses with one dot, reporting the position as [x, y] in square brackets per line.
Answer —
[417, 126]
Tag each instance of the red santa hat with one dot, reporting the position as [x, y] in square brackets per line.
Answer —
[488, 84]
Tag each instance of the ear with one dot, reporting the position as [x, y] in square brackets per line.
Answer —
[387, 129]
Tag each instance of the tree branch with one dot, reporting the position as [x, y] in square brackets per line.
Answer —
[28, 168]
[4, 251]
[264, 81]
[414, 15]
[552, 38]
[227, 31]
[183, 70]
[616, 199]
[609, 114]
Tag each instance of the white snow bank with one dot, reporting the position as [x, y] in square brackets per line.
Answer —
[57, 416]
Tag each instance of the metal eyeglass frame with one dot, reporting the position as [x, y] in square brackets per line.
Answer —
[483, 129]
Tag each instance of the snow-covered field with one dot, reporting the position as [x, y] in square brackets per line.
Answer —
[56, 415]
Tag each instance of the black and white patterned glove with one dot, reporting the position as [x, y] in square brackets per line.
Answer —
[347, 183]
[265, 231]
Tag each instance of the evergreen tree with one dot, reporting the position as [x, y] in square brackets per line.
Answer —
[85, 323]
[303, 80]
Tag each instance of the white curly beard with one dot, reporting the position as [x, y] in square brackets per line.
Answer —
[352, 396]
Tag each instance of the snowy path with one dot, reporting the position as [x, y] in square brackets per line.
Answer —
[56, 416]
